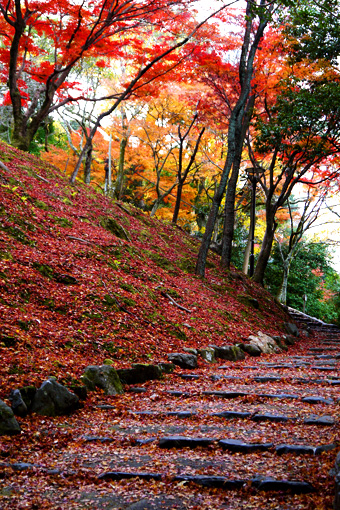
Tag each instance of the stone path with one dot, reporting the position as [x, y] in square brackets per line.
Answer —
[259, 433]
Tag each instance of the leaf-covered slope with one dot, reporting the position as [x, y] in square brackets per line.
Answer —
[84, 279]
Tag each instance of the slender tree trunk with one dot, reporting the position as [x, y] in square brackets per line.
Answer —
[216, 229]
[246, 68]
[155, 207]
[109, 173]
[247, 252]
[229, 211]
[178, 202]
[88, 162]
[203, 252]
[266, 247]
[119, 188]
[282, 293]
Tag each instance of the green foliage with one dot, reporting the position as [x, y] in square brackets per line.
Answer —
[304, 118]
[315, 29]
[310, 274]
[49, 133]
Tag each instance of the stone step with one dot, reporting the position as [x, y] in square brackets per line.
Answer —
[230, 395]
[219, 482]
[256, 416]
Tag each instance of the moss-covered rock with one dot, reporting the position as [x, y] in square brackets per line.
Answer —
[229, 352]
[113, 226]
[248, 301]
[104, 377]
[8, 423]
[139, 373]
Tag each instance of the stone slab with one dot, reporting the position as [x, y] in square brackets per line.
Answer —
[277, 418]
[226, 394]
[325, 420]
[183, 442]
[229, 415]
[317, 400]
[124, 475]
[235, 445]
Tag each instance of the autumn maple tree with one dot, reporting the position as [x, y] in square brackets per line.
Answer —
[45, 41]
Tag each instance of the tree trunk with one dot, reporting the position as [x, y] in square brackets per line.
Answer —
[282, 294]
[178, 202]
[266, 247]
[247, 252]
[155, 207]
[246, 68]
[119, 187]
[87, 167]
[203, 251]
[229, 211]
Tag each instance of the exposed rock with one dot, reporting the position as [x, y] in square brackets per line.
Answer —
[183, 360]
[27, 394]
[208, 354]
[8, 423]
[181, 414]
[139, 373]
[299, 449]
[80, 390]
[281, 343]
[264, 342]
[99, 439]
[176, 393]
[136, 389]
[190, 350]
[18, 405]
[53, 399]
[267, 378]
[166, 368]
[291, 328]
[252, 350]
[229, 352]
[289, 340]
[104, 377]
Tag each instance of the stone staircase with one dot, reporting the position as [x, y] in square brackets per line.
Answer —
[306, 322]
[261, 433]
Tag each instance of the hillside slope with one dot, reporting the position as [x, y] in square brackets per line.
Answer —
[84, 279]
